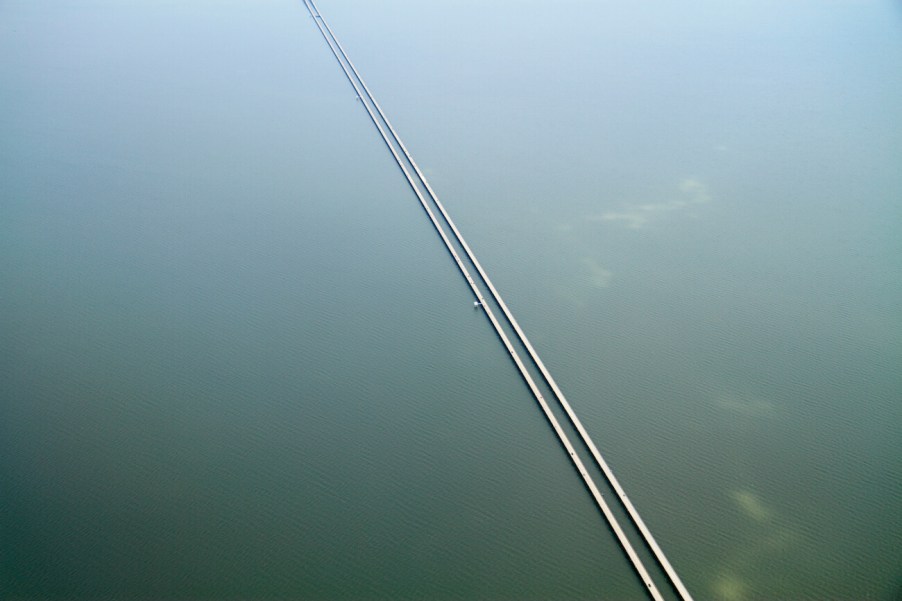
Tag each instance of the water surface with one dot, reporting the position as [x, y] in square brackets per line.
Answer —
[237, 362]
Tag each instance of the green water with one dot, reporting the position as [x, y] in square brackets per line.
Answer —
[236, 361]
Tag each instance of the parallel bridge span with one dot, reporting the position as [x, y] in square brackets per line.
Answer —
[407, 164]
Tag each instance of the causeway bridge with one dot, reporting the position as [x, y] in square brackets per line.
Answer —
[511, 335]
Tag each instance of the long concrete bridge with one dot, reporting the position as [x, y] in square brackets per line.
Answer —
[455, 243]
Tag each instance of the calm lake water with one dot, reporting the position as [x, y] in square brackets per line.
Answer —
[236, 361]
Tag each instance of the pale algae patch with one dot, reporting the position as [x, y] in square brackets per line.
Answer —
[578, 280]
[689, 193]
[770, 537]
[593, 277]
[746, 406]
[750, 505]
[729, 587]
[599, 276]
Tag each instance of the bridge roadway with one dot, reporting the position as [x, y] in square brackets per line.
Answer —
[378, 118]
